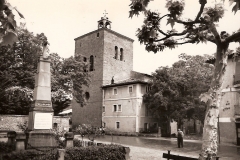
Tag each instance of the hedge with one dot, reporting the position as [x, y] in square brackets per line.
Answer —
[103, 152]
[32, 155]
[6, 148]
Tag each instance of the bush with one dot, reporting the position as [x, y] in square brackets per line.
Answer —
[102, 152]
[6, 148]
[77, 143]
[32, 155]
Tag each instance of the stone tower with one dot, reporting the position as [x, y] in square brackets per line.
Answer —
[110, 58]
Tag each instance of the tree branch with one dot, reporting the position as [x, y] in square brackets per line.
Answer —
[200, 11]
[189, 41]
[186, 23]
[208, 38]
[159, 30]
[214, 31]
[171, 35]
[233, 37]
[163, 16]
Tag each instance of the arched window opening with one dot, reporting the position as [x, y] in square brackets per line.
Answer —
[87, 95]
[84, 59]
[116, 52]
[91, 63]
[121, 54]
[97, 35]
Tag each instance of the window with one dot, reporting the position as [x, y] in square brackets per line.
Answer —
[115, 91]
[97, 35]
[121, 54]
[130, 89]
[87, 95]
[55, 125]
[91, 63]
[117, 108]
[148, 88]
[116, 52]
[117, 125]
[84, 59]
[80, 44]
[103, 109]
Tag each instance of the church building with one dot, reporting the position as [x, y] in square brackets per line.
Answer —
[114, 96]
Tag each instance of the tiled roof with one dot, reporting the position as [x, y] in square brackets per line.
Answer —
[109, 30]
[125, 82]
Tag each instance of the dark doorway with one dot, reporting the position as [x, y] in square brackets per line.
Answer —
[238, 132]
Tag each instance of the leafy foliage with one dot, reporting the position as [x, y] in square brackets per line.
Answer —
[201, 29]
[198, 30]
[59, 135]
[236, 7]
[23, 126]
[6, 148]
[102, 152]
[175, 90]
[32, 155]
[18, 69]
[87, 130]
[8, 26]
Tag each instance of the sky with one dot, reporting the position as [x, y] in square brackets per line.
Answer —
[63, 20]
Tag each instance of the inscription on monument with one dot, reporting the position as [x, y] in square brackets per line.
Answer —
[43, 121]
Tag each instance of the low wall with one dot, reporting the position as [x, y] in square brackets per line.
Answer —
[11, 122]
[188, 126]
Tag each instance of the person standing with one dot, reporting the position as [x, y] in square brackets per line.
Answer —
[180, 136]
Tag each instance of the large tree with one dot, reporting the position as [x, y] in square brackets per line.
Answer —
[20, 50]
[200, 29]
[68, 78]
[161, 99]
[18, 68]
[175, 90]
[194, 77]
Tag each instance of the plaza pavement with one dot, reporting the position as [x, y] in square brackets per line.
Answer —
[152, 148]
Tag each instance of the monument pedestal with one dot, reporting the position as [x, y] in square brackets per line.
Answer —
[40, 115]
[40, 122]
[40, 139]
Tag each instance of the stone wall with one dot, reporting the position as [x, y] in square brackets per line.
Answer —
[188, 126]
[11, 122]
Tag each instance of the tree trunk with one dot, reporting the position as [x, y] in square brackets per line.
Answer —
[213, 99]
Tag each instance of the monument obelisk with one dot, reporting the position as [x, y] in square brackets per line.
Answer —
[40, 120]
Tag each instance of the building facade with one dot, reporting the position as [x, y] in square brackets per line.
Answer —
[123, 107]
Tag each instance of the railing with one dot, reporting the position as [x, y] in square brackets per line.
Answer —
[178, 157]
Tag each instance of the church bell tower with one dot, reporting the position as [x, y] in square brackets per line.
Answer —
[109, 54]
